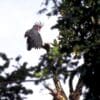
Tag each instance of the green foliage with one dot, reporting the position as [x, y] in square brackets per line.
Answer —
[79, 33]
[11, 87]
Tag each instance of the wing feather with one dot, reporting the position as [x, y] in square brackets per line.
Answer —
[34, 39]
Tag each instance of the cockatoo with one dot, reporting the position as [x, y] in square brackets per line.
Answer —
[34, 39]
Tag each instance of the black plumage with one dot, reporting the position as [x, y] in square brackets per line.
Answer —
[34, 39]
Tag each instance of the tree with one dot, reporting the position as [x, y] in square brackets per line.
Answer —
[11, 87]
[79, 28]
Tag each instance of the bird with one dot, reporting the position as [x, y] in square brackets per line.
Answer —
[34, 39]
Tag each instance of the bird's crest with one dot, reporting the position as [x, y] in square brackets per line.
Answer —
[39, 24]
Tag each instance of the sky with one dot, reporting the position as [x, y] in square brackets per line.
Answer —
[17, 16]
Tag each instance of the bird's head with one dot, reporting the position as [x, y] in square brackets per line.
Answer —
[38, 26]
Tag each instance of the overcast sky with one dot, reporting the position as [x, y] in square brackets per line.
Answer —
[17, 16]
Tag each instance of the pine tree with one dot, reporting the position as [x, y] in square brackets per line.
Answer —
[79, 36]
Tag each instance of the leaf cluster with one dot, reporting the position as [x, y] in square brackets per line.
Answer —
[79, 36]
[11, 86]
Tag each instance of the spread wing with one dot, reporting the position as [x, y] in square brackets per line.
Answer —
[34, 39]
